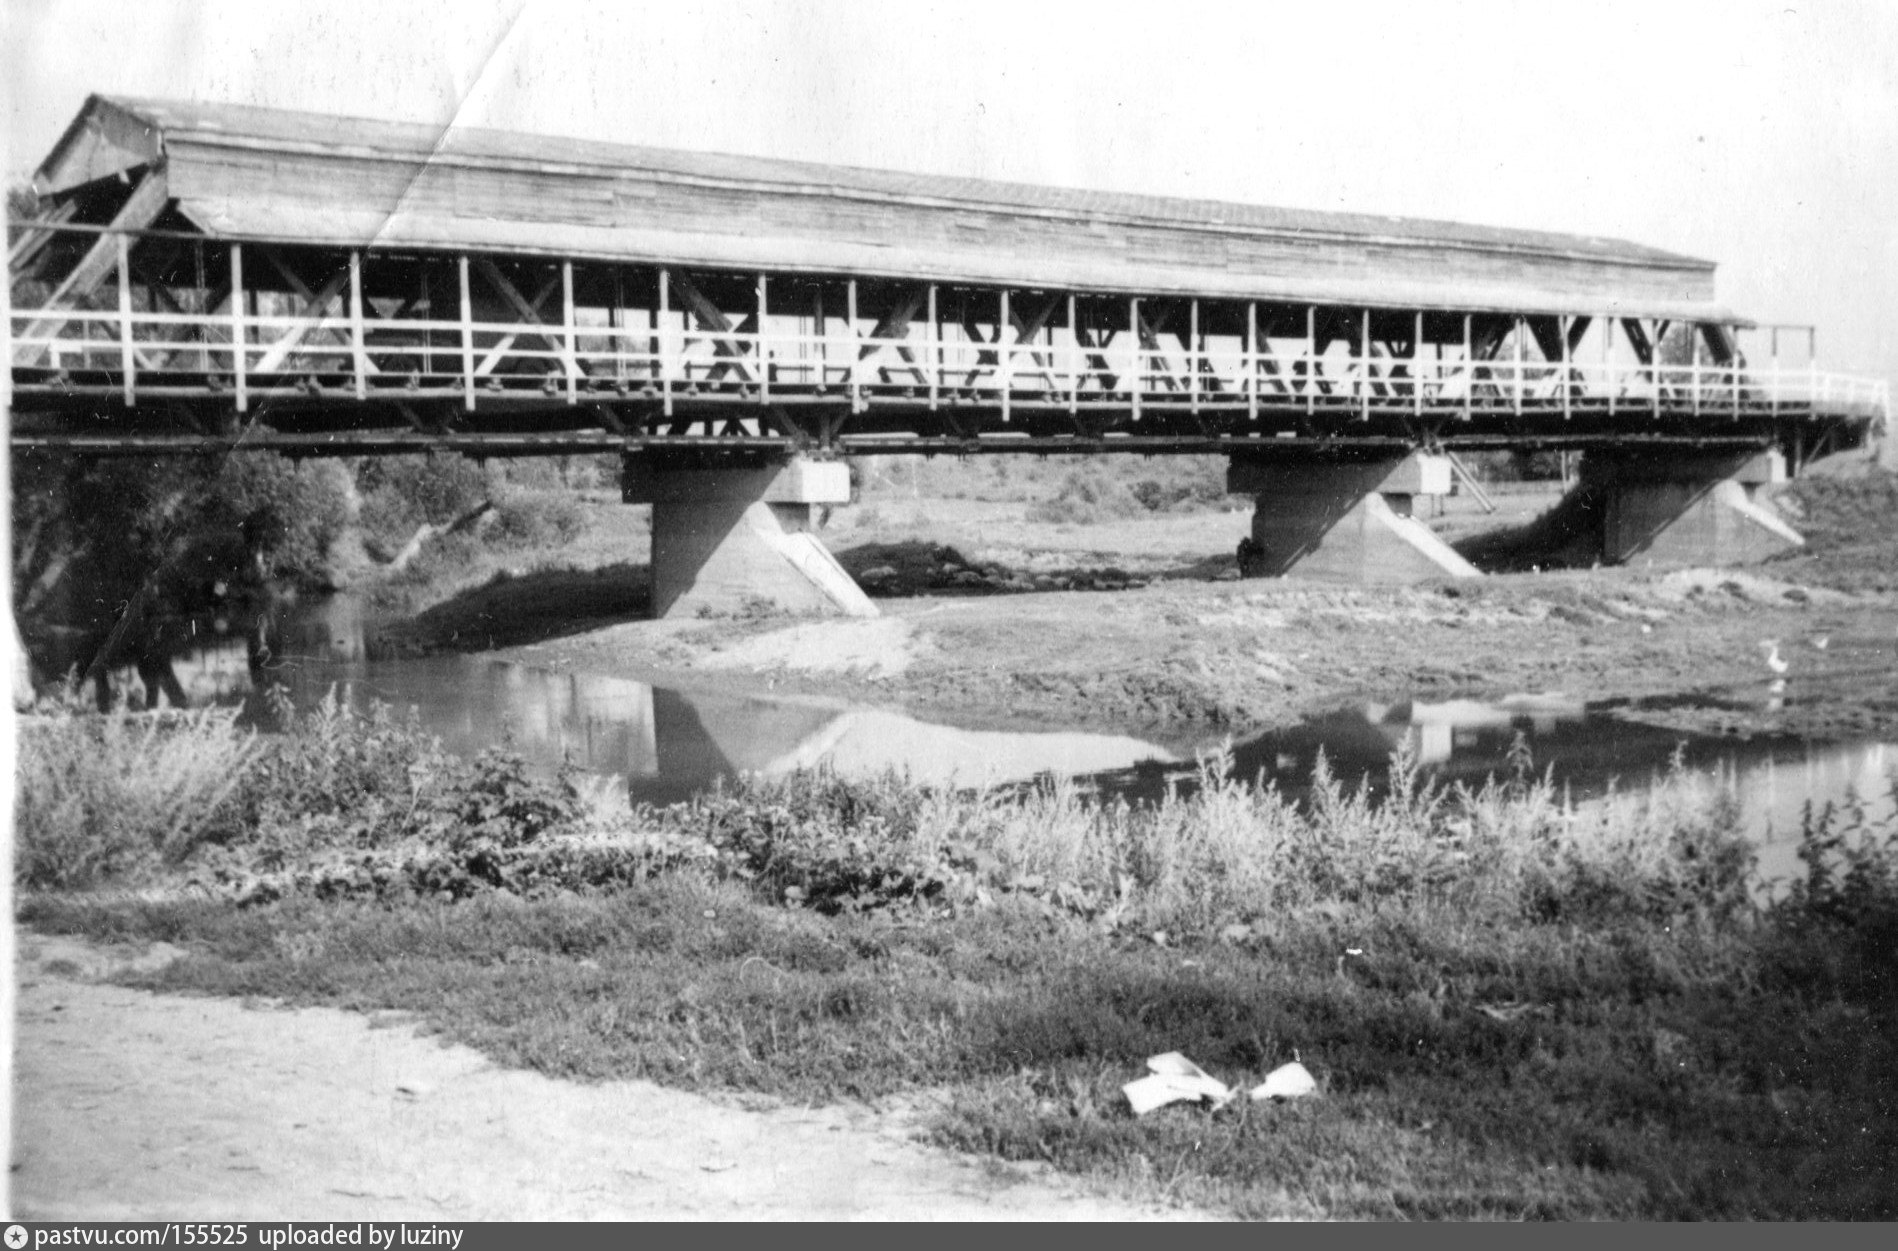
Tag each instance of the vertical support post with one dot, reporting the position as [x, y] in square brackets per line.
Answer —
[1469, 366]
[1074, 357]
[1733, 364]
[239, 365]
[1252, 361]
[358, 358]
[1005, 355]
[932, 349]
[1607, 367]
[856, 398]
[467, 339]
[1364, 368]
[665, 339]
[1192, 355]
[1562, 327]
[1416, 366]
[1773, 364]
[1311, 359]
[764, 359]
[1133, 375]
[1518, 338]
[823, 343]
[128, 361]
[1812, 366]
[569, 337]
[1694, 335]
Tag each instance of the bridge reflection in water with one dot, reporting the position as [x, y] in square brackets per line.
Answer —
[665, 744]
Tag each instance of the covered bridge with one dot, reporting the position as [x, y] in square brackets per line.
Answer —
[319, 284]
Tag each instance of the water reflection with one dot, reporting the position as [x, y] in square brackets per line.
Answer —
[662, 744]
[667, 744]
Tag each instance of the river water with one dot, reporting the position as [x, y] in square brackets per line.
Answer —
[664, 744]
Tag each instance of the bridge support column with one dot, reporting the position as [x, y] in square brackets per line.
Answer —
[1345, 520]
[1696, 508]
[724, 539]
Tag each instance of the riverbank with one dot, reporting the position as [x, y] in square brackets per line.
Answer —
[992, 611]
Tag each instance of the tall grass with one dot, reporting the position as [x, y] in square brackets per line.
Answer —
[118, 795]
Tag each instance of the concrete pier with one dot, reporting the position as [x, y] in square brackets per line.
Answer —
[1691, 509]
[726, 539]
[1348, 520]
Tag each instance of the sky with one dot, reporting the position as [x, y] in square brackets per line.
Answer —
[1762, 136]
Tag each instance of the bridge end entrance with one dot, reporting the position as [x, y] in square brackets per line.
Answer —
[1345, 519]
[727, 536]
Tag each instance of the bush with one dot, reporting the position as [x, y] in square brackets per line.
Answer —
[400, 494]
[536, 519]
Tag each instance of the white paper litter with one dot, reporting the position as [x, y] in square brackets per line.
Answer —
[1288, 1081]
[1172, 1078]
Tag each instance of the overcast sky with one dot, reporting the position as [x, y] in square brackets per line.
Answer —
[1762, 136]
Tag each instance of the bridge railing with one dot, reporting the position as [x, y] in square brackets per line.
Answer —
[320, 335]
[169, 353]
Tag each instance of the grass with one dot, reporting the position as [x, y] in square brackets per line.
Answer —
[1513, 1010]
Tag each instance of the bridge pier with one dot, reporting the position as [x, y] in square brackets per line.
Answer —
[1691, 509]
[1345, 519]
[728, 537]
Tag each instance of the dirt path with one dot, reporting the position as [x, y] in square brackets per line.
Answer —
[132, 1105]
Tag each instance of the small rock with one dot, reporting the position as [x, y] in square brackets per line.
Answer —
[414, 1088]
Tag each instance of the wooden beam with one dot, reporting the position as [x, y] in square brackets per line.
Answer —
[712, 318]
[312, 320]
[524, 308]
[139, 211]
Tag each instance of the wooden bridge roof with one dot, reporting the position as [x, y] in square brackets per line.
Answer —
[248, 173]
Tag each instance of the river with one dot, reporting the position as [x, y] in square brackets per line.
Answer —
[663, 744]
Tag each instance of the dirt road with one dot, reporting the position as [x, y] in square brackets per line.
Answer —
[129, 1105]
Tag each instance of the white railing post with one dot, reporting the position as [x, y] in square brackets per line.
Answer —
[467, 339]
[239, 372]
[1311, 360]
[1364, 369]
[1133, 373]
[1192, 356]
[1252, 360]
[128, 360]
[568, 333]
[358, 361]
[856, 354]
[1074, 357]
[1005, 359]
[1416, 366]
[1607, 362]
[1517, 336]
[665, 340]
[932, 349]
[763, 355]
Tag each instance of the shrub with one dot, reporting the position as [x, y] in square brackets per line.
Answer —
[536, 519]
[400, 494]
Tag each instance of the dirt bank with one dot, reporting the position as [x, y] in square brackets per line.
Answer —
[1689, 649]
[129, 1105]
[991, 611]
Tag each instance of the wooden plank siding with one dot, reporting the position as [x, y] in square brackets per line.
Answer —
[251, 174]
